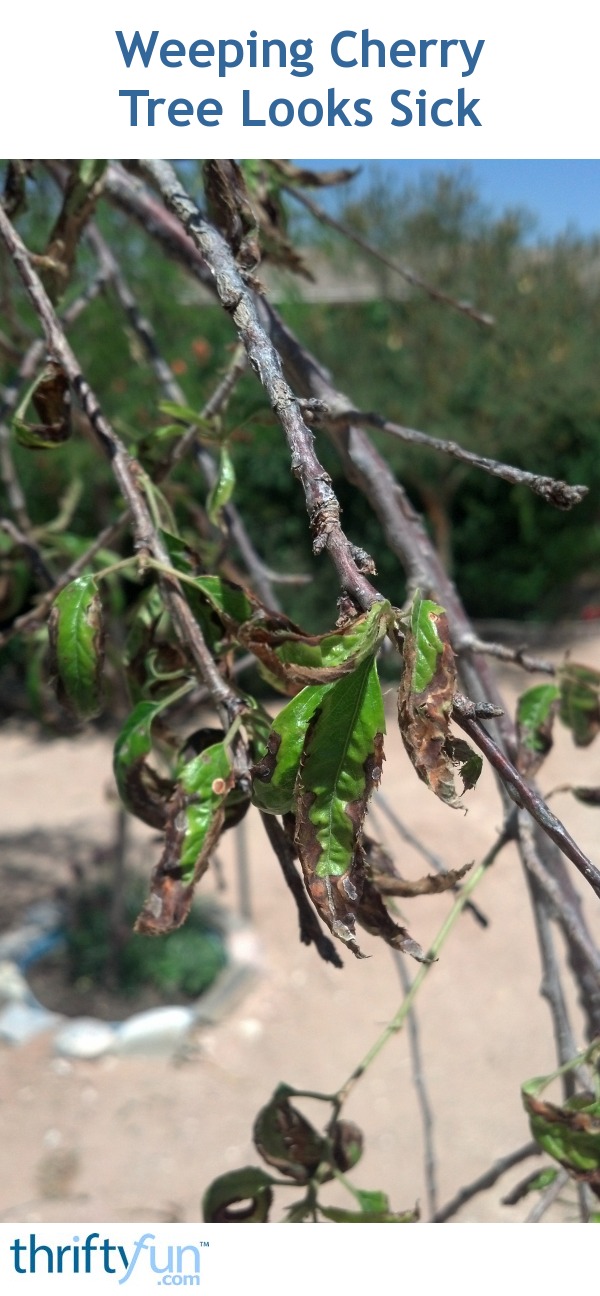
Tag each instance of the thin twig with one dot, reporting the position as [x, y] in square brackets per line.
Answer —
[10, 395]
[522, 793]
[311, 932]
[410, 276]
[551, 988]
[424, 850]
[31, 551]
[484, 1181]
[397, 1022]
[213, 408]
[403, 529]
[420, 1084]
[30, 620]
[556, 492]
[548, 1198]
[518, 656]
[561, 909]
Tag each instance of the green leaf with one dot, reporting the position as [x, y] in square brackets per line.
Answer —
[220, 494]
[90, 171]
[207, 780]
[144, 793]
[534, 709]
[341, 762]
[217, 604]
[77, 648]
[239, 1197]
[274, 776]
[427, 643]
[580, 701]
[333, 778]
[570, 1134]
[339, 1216]
[133, 744]
[227, 598]
[535, 1182]
[542, 1180]
[372, 1201]
[184, 413]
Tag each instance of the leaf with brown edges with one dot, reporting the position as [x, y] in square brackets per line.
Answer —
[425, 698]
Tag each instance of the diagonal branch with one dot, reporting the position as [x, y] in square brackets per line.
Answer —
[311, 932]
[237, 299]
[553, 491]
[522, 793]
[484, 1181]
[410, 276]
[127, 474]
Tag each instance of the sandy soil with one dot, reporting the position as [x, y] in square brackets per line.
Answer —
[139, 1138]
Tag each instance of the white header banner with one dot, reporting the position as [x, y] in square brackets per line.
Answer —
[258, 79]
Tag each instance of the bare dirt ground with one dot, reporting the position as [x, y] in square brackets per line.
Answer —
[134, 1138]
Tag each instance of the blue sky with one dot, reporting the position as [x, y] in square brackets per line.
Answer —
[561, 195]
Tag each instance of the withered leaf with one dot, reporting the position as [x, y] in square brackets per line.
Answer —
[82, 190]
[372, 914]
[588, 795]
[231, 209]
[239, 1197]
[50, 395]
[580, 701]
[195, 820]
[389, 882]
[290, 658]
[286, 1140]
[570, 1134]
[425, 698]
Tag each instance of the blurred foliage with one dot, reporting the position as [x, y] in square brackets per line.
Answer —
[185, 963]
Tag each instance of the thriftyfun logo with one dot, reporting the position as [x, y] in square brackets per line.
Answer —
[175, 1266]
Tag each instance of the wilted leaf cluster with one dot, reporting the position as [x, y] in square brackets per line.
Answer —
[293, 1147]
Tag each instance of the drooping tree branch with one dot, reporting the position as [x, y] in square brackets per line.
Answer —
[522, 792]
